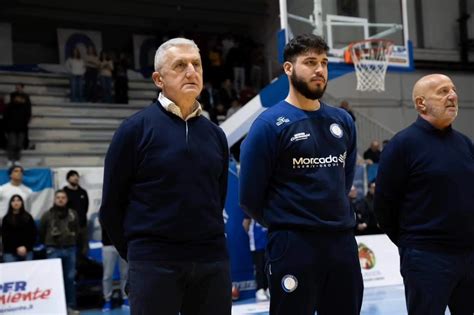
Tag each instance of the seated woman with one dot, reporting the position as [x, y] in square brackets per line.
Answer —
[18, 232]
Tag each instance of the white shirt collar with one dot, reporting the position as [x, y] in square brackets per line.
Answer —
[171, 107]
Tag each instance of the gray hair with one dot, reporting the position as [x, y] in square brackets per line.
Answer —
[162, 50]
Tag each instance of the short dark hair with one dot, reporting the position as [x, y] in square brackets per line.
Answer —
[302, 44]
[71, 173]
[60, 191]
[13, 167]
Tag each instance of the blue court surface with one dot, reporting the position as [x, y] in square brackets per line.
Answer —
[377, 301]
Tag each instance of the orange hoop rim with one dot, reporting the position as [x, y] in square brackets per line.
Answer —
[347, 52]
[390, 42]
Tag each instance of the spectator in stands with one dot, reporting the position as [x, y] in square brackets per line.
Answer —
[257, 65]
[18, 232]
[227, 93]
[163, 212]
[235, 63]
[14, 187]
[227, 44]
[234, 106]
[110, 256]
[424, 201]
[59, 228]
[215, 63]
[209, 99]
[365, 212]
[246, 94]
[361, 220]
[16, 118]
[78, 199]
[372, 154]
[345, 106]
[258, 242]
[92, 70]
[105, 76]
[121, 79]
[76, 67]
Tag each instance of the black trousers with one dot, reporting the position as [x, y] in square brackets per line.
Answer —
[169, 288]
[314, 271]
[259, 263]
[15, 140]
[436, 280]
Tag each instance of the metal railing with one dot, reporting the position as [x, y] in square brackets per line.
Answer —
[368, 129]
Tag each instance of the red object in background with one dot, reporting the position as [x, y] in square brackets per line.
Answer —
[235, 293]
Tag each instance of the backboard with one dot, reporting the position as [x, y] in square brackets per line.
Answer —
[342, 22]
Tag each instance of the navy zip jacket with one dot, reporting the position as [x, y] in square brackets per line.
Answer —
[297, 168]
[424, 197]
[165, 183]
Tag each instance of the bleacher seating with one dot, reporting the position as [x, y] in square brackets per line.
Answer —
[65, 133]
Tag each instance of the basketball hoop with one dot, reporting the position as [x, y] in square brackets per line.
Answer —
[370, 58]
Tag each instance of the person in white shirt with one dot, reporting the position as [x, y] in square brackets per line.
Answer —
[14, 187]
[76, 67]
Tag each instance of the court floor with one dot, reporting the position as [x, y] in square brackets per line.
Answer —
[377, 301]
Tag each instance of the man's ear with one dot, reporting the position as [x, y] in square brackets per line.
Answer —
[288, 67]
[156, 76]
[420, 104]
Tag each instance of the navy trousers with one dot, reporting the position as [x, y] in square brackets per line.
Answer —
[314, 271]
[187, 288]
[434, 281]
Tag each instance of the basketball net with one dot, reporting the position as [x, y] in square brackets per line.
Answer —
[370, 58]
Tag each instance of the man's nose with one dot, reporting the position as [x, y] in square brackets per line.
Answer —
[452, 95]
[319, 68]
[190, 69]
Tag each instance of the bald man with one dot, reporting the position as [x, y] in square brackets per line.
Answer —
[424, 201]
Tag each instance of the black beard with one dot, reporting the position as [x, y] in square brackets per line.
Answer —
[302, 87]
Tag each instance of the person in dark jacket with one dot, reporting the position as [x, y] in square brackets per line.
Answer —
[365, 213]
[18, 232]
[16, 118]
[165, 184]
[59, 230]
[297, 167]
[424, 201]
[78, 199]
[372, 154]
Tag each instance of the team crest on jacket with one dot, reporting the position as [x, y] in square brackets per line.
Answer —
[336, 130]
[289, 283]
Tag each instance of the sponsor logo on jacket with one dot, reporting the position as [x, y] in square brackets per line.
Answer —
[327, 161]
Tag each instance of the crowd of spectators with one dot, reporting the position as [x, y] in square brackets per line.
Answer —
[100, 78]
[60, 233]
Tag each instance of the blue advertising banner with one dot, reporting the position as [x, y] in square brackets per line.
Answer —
[237, 239]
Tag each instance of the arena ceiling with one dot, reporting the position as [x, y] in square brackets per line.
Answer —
[145, 13]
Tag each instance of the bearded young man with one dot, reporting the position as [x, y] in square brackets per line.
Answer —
[297, 167]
